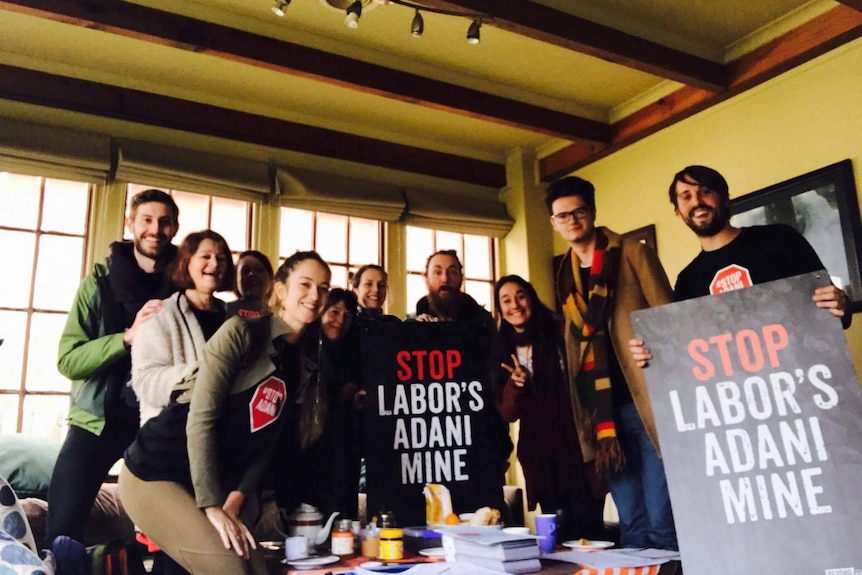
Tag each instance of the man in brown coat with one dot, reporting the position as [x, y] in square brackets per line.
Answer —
[601, 279]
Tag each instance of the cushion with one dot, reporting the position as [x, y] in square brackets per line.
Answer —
[27, 463]
[18, 553]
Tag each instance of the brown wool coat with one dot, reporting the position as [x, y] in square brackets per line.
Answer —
[642, 284]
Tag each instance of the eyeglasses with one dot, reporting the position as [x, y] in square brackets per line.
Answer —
[566, 217]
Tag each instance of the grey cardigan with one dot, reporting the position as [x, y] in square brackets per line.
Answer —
[165, 351]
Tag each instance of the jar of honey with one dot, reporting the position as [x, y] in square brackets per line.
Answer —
[371, 540]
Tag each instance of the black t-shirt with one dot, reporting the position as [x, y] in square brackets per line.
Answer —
[209, 321]
[757, 255]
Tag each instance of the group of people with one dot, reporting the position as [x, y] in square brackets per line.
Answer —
[580, 393]
[199, 396]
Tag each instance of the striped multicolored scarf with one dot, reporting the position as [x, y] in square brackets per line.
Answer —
[588, 328]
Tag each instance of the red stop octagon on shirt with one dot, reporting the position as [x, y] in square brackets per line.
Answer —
[266, 403]
[730, 278]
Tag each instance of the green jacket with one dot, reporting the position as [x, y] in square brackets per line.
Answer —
[91, 351]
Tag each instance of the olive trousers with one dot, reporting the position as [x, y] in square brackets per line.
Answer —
[169, 515]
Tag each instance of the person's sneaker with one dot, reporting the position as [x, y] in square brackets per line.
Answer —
[70, 555]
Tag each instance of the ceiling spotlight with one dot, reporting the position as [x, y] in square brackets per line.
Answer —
[418, 25]
[473, 35]
[354, 12]
[280, 7]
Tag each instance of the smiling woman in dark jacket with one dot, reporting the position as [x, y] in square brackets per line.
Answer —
[193, 467]
[532, 386]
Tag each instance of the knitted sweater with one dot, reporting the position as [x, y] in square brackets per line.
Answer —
[166, 350]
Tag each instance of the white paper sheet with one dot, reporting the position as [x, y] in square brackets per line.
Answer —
[436, 569]
[603, 559]
[651, 553]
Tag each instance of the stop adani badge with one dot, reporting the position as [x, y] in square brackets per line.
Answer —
[266, 403]
[759, 416]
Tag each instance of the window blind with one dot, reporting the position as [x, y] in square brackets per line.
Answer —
[335, 194]
[49, 151]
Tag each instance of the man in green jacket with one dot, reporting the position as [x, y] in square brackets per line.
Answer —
[112, 301]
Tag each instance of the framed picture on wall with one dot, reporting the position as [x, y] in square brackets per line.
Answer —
[644, 235]
[822, 206]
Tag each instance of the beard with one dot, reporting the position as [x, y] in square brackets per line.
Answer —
[153, 254]
[708, 228]
[444, 302]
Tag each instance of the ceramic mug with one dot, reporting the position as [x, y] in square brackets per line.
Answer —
[296, 547]
[546, 529]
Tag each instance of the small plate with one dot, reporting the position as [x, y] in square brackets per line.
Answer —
[272, 545]
[594, 545]
[311, 562]
[433, 552]
[381, 567]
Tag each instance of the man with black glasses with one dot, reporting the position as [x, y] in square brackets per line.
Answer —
[601, 279]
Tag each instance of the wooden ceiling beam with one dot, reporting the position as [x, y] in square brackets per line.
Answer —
[574, 33]
[855, 4]
[165, 28]
[40, 88]
[814, 38]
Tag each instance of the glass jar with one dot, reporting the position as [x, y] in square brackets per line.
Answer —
[371, 541]
[387, 519]
[391, 544]
[342, 537]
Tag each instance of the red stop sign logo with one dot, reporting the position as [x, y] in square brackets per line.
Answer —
[266, 403]
[730, 278]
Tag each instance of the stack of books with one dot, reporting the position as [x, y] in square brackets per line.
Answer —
[491, 548]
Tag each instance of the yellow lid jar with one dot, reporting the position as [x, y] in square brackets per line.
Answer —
[391, 544]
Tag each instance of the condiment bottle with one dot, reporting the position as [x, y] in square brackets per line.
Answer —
[391, 544]
[342, 538]
[371, 540]
[387, 519]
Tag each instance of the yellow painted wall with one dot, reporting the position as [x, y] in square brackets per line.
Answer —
[804, 120]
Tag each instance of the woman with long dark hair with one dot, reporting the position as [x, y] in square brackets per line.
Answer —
[532, 386]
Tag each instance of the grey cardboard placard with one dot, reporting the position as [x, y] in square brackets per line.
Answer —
[759, 417]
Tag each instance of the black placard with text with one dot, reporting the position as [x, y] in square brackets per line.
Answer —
[759, 416]
[430, 416]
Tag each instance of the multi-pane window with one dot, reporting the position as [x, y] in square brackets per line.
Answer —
[475, 252]
[346, 243]
[43, 236]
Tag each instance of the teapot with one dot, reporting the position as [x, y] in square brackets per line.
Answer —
[307, 520]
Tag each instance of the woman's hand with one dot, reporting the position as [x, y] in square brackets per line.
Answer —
[233, 504]
[233, 532]
[517, 373]
[639, 352]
